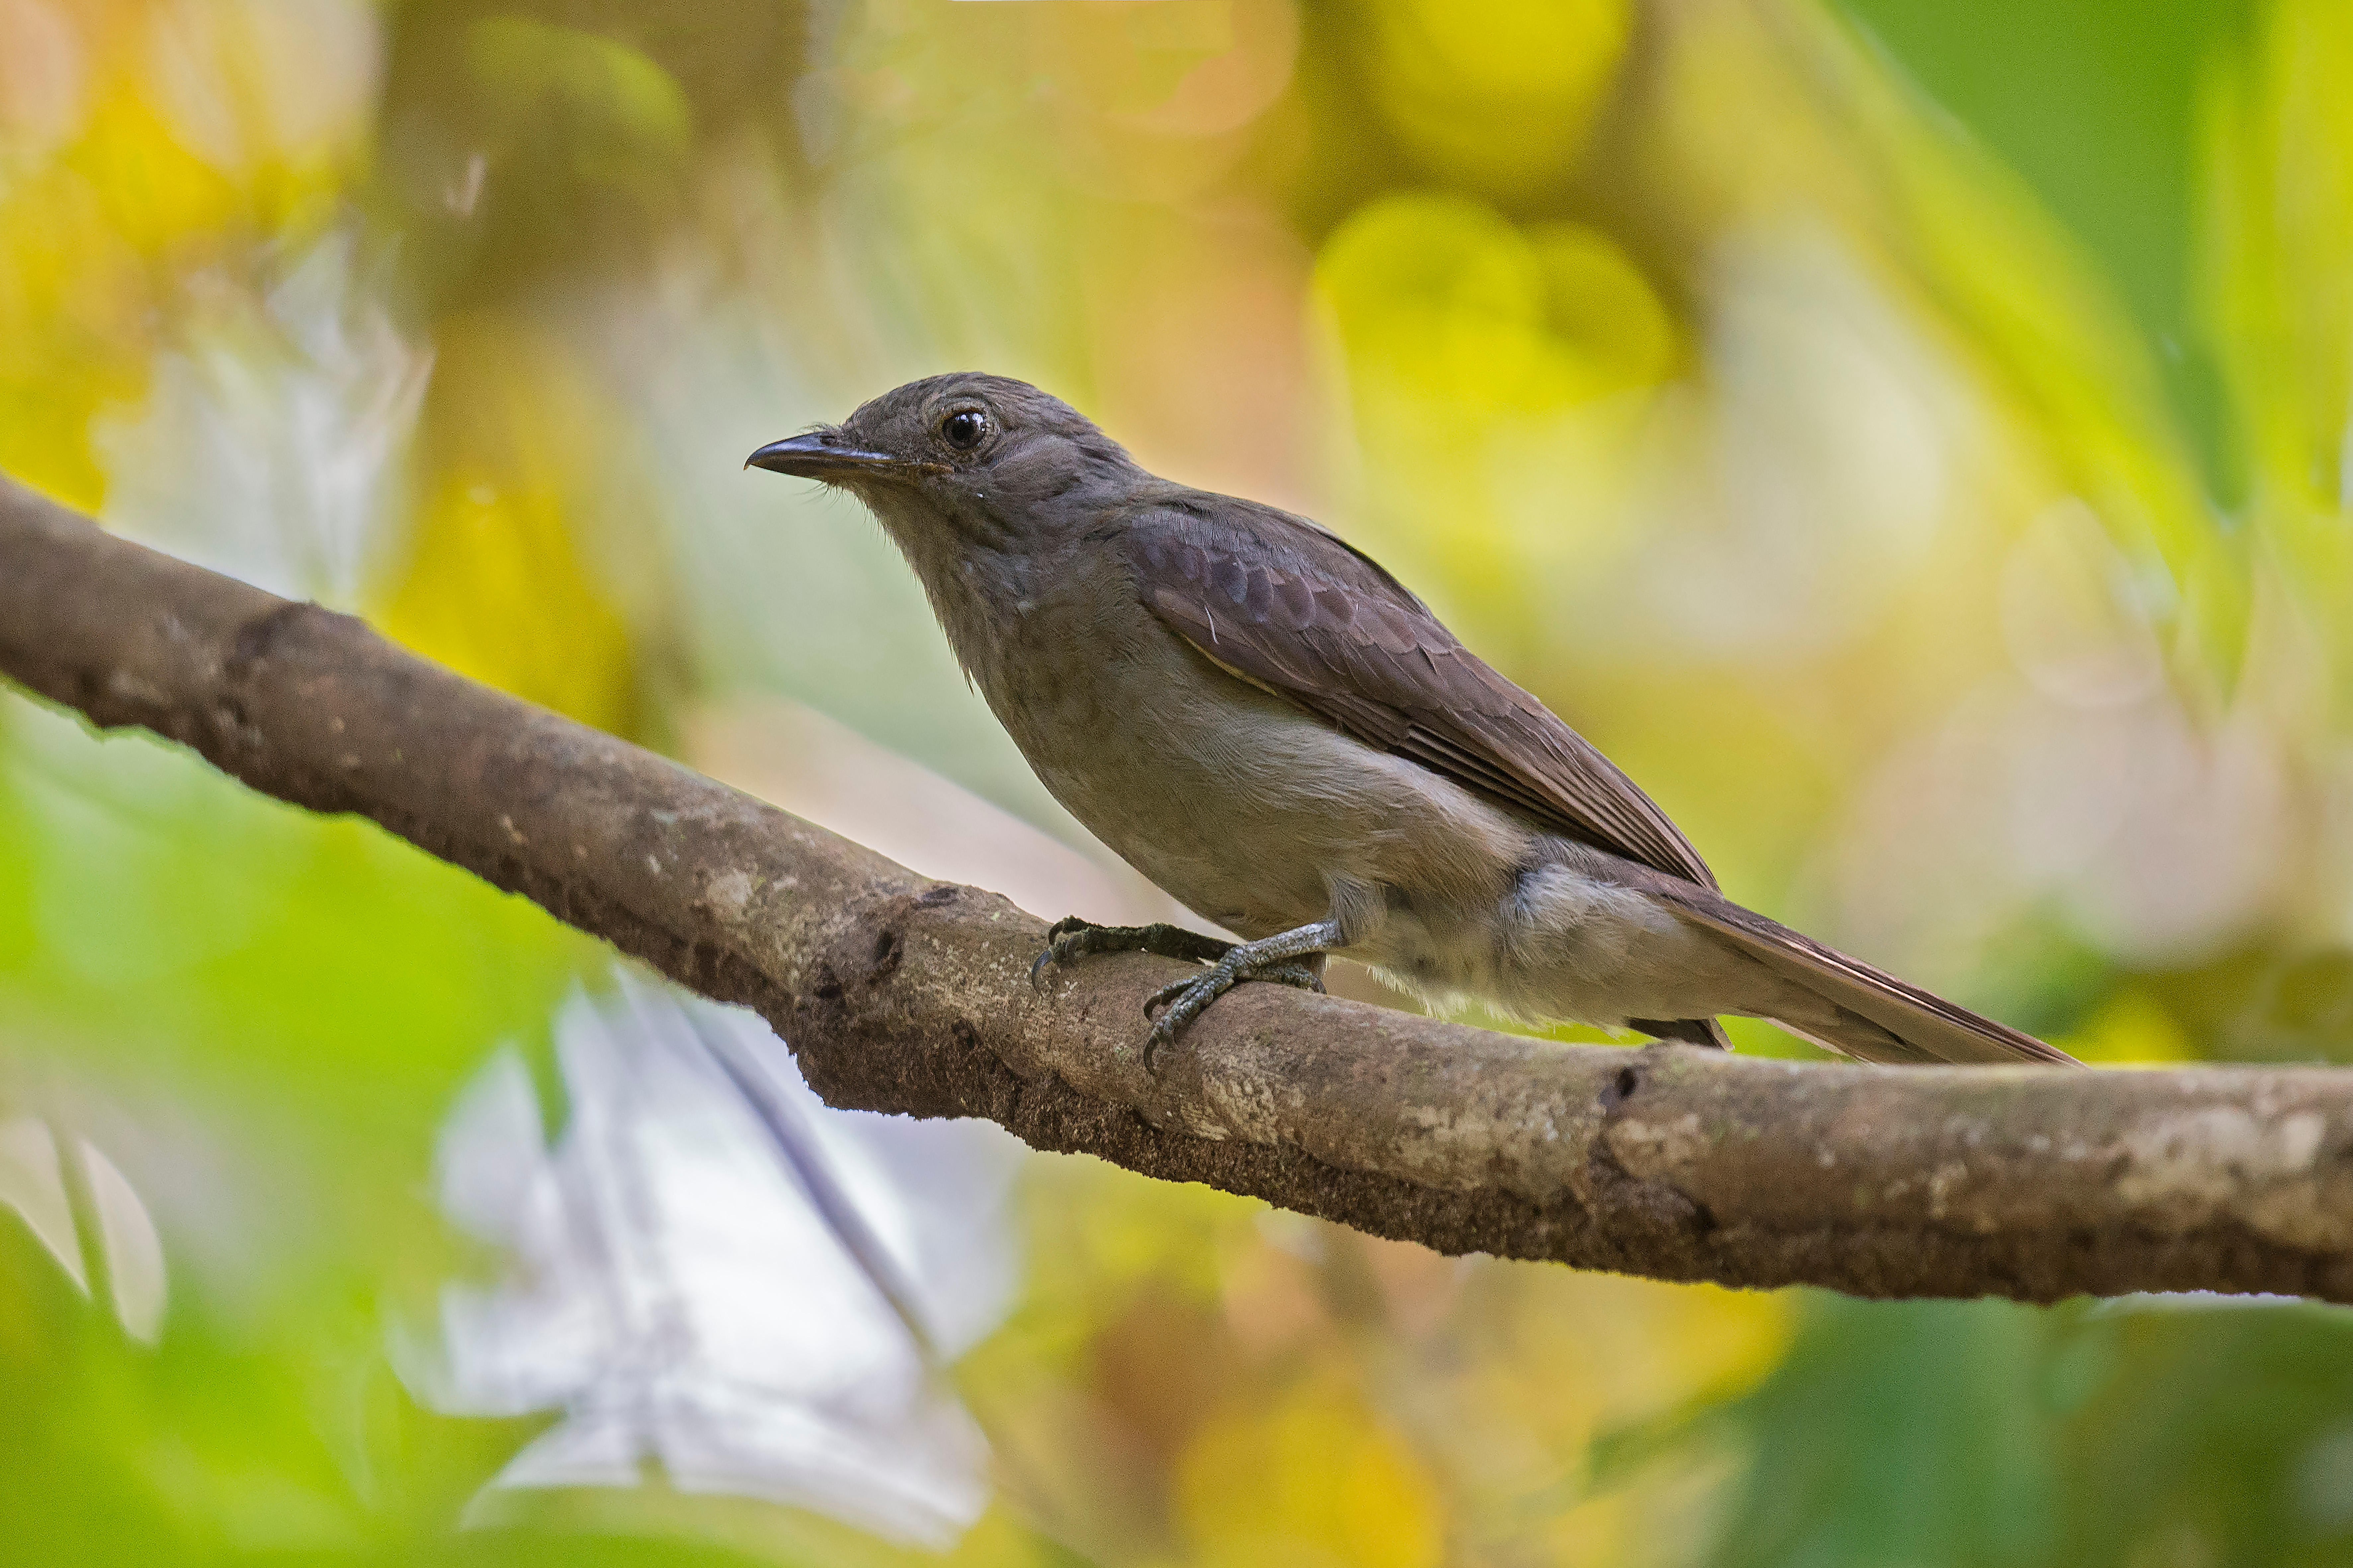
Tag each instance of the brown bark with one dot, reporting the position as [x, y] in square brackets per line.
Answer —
[902, 994]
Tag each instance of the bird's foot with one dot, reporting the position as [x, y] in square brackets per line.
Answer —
[1275, 957]
[1070, 938]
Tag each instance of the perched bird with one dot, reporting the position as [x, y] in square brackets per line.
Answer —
[1272, 728]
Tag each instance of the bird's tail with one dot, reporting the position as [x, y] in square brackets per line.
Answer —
[1846, 1005]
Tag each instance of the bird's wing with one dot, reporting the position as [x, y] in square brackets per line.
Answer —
[1291, 607]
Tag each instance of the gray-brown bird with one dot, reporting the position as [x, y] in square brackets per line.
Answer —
[1260, 719]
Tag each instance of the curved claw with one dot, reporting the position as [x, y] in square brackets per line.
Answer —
[1069, 925]
[1184, 1001]
[1187, 999]
[1175, 990]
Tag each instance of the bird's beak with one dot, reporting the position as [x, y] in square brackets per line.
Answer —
[821, 455]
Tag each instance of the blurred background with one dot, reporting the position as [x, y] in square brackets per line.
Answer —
[1911, 436]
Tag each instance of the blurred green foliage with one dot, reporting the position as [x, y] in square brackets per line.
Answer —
[1910, 436]
[2106, 110]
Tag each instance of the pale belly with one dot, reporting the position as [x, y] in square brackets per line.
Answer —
[1254, 828]
[1243, 807]
[1444, 896]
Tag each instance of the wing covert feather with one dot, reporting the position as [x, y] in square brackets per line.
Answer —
[1290, 606]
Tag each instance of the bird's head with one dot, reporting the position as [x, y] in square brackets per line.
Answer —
[962, 461]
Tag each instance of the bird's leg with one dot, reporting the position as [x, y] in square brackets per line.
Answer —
[1071, 937]
[1271, 958]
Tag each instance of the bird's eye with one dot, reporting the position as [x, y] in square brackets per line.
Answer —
[964, 428]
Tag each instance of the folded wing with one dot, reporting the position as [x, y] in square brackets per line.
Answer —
[1291, 607]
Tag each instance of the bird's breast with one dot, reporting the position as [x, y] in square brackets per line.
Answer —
[1236, 803]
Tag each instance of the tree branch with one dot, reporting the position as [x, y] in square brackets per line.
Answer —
[902, 994]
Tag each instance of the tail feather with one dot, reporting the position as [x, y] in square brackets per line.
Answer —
[1845, 1005]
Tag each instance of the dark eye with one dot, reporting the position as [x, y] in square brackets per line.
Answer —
[964, 428]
